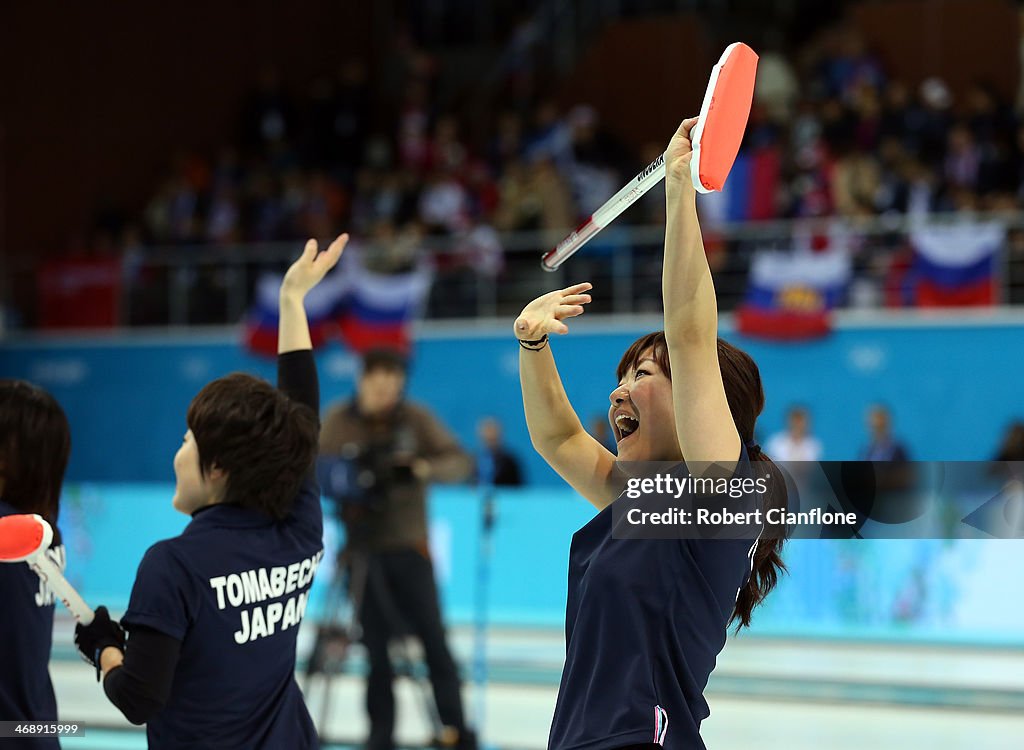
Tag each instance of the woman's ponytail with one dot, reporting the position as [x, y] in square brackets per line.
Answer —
[767, 562]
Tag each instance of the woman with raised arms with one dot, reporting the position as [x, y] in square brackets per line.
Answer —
[646, 618]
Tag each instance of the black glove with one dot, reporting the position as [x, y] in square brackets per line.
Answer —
[91, 639]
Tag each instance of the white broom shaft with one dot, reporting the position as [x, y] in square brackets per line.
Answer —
[630, 193]
[50, 574]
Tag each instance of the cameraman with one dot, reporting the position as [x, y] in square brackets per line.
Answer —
[390, 449]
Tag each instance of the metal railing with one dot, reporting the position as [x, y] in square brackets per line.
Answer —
[214, 284]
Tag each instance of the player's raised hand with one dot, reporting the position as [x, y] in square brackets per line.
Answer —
[680, 152]
[545, 314]
[311, 267]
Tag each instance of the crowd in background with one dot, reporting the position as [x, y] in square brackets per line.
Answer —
[832, 133]
[846, 139]
[856, 141]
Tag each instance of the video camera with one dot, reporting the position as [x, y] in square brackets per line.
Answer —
[363, 476]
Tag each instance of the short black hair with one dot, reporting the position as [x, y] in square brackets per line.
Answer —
[385, 359]
[265, 442]
[35, 442]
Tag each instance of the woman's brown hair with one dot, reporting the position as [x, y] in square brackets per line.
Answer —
[263, 441]
[745, 394]
[35, 442]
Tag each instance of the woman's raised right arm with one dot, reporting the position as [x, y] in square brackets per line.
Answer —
[555, 430]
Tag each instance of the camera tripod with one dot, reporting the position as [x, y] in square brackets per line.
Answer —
[341, 628]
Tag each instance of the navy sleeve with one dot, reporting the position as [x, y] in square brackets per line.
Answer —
[142, 685]
[297, 378]
[163, 597]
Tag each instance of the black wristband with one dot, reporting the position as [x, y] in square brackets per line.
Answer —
[536, 345]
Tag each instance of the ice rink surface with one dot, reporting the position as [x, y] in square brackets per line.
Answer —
[772, 694]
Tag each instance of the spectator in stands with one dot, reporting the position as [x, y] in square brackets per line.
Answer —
[182, 212]
[867, 117]
[918, 192]
[896, 117]
[534, 197]
[412, 138]
[882, 446]
[891, 159]
[480, 249]
[777, 87]
[222, 223]
[848, 64]
[963, 158]
[811, 189]
[507, 143]
[443, 204]
[496, 463]
[265, 211]
[856, 181]
[466, 265]
[448, 153]
[795, 443]
[589, 172]
[987, 116]
[482, 190]
[932, 121]
[550, 137]
[325, 206]
[394, 250]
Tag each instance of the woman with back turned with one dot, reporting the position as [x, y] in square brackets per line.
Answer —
[646, 618]
[215, 612]
[34, 445]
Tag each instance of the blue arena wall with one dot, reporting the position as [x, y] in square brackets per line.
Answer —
[952, 387]
[964, 591]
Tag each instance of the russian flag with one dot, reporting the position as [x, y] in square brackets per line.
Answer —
[749, 193]
[789, 294]
[379, 308]
[367, 309]
[955, 265]
[322, 303]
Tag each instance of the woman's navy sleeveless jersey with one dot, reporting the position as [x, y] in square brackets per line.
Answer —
[645, 620]
[26, 635]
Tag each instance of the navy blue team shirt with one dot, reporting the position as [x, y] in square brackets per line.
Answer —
[644, 622]
[26, 635]
[233, 589]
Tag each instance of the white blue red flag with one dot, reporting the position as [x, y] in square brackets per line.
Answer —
[955, 265]
[790, 293]
[365, 309]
